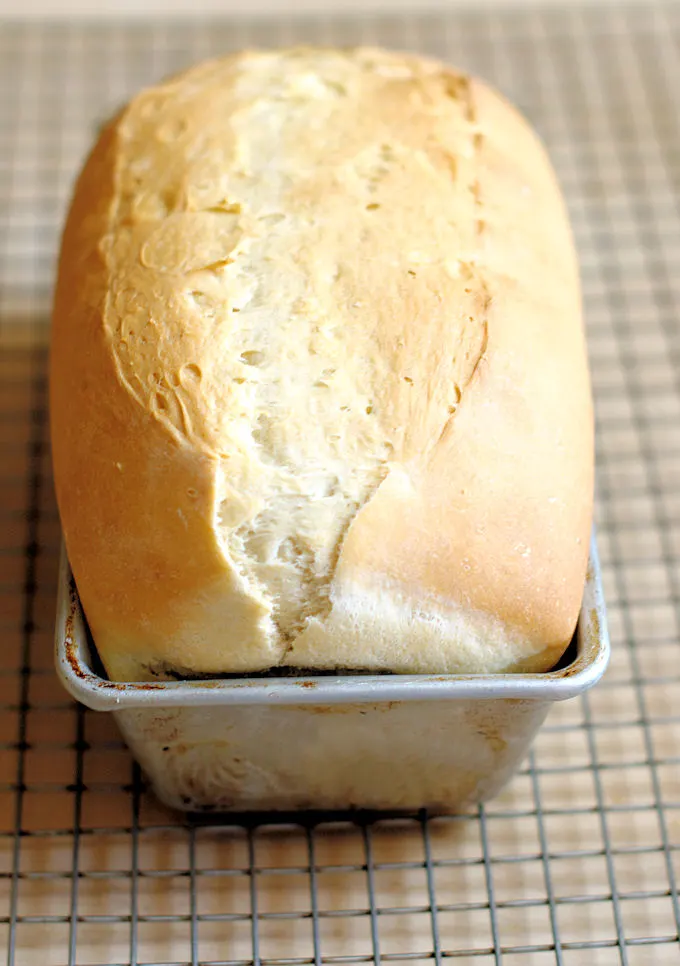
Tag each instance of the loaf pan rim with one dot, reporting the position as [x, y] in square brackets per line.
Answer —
[99, 694]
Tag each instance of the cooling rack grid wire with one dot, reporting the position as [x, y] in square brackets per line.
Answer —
[577, 862]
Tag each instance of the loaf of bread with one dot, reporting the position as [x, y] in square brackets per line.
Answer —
[319, 387]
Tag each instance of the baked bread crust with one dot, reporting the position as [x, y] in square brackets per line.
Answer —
[319, 386]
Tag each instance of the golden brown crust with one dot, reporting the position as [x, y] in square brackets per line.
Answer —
[319, 387]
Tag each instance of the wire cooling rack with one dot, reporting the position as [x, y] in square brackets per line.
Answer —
[577, 862]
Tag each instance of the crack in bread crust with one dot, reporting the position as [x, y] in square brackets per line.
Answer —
[211, 261]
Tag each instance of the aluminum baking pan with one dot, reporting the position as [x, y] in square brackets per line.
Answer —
[337, 742]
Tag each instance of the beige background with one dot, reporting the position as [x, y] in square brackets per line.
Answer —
[130, 8]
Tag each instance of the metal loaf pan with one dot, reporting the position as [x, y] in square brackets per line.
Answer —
[395, 742]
